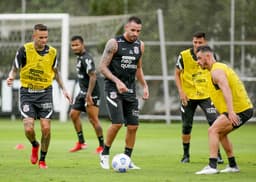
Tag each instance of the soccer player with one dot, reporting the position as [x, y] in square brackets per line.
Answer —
[88, 98]
[192, 84]
[37, 63]
[121, 63]
[231, 100]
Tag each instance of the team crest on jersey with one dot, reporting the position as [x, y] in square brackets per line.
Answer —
[25, 108]
[136, 50]
[113, 95]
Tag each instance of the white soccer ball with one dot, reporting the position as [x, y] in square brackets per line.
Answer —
[121, 162]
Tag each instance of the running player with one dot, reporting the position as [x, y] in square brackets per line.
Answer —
[88, 98]
[37, 63]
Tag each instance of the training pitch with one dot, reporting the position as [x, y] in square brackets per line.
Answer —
[157, 151]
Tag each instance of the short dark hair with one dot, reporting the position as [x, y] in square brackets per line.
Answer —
[41, 27]
[204, 48]
[77, 37]
[134, 19]
[199, 35]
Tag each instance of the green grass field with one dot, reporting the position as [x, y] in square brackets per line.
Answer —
[158, 151]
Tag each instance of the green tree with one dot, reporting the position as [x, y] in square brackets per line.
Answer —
[106, 7]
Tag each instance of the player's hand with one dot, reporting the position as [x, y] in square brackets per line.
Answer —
[184, 102]
[183, 99]
[66, 94]
[145, 93]
[232, 116]
[88, 101]
[121, 87]
[9, 81]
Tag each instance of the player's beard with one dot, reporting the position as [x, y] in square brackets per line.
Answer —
[40, 46]
[202, 66]
[134, 38]
[78, 53]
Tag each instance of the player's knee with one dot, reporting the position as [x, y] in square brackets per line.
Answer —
[212, 130]
[45, 130]
[73, 116]
[29, 130]
[116, 126]
[132, 128]
[28, 125]
[94, 120]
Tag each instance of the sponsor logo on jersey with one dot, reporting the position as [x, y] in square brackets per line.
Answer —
[128, 63]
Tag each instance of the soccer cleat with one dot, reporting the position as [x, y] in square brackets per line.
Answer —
[133, 166]
[219, 159]
[42, 165]
[78, 146]
[34, 154]
[185, 159]
[104, 161]
[229, 169]
[99, 149]
[208, 170]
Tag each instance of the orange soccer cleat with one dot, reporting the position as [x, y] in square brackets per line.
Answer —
[99, 149]
[34, 154]
[42, 165]
[78, 146]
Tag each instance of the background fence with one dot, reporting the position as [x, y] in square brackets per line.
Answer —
[165, 34]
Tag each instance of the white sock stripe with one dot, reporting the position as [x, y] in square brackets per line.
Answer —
[111, 101]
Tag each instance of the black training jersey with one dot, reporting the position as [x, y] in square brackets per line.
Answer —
[124, 64]
[85, 65]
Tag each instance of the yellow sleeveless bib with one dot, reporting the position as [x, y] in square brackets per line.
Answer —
[241, 101]
[38, 72]
[194, 80]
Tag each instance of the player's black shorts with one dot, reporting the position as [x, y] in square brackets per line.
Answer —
[79, 103]
[187, 113]
[243, 117]
[121, 109]
[36, 103]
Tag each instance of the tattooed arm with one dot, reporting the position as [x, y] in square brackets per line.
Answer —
[109, 51]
